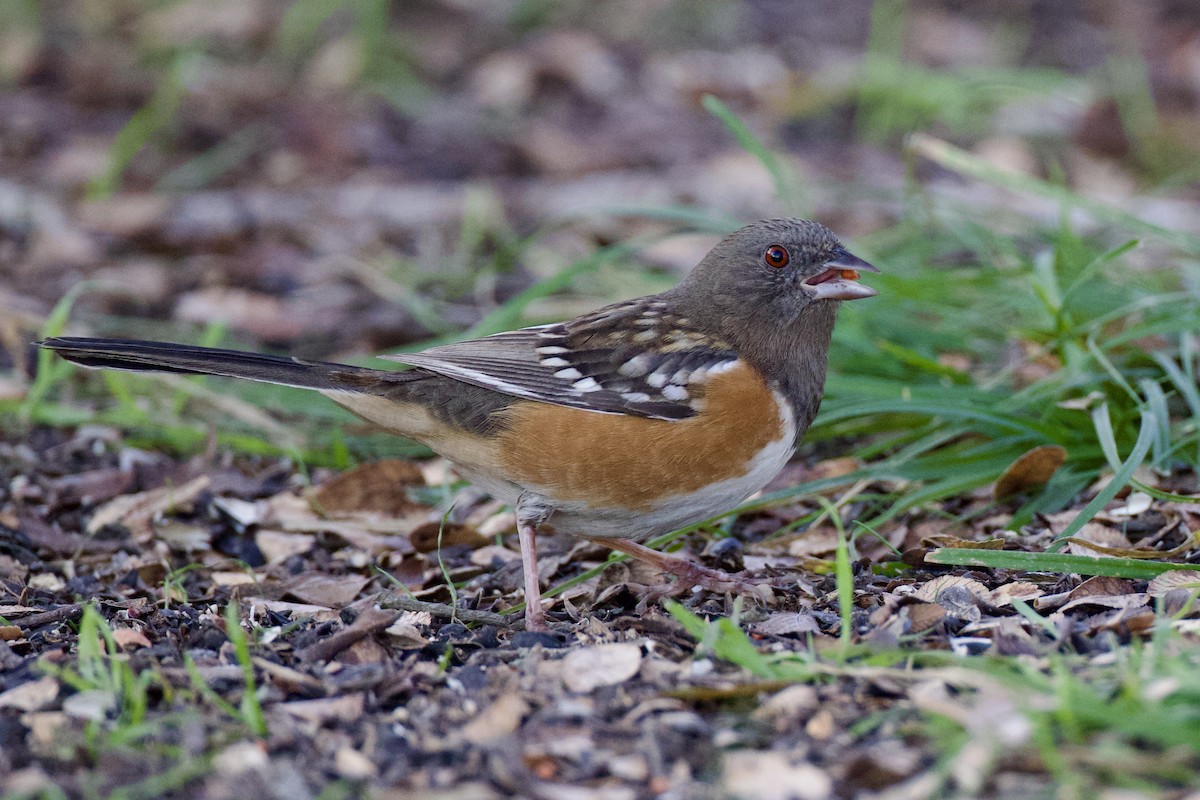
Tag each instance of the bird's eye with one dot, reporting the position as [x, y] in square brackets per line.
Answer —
[776, 256]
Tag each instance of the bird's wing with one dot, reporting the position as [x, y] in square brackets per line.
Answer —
[632, 358]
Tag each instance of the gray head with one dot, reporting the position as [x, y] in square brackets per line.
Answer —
[770, 272]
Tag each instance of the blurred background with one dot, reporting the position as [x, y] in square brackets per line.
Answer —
[335, 179]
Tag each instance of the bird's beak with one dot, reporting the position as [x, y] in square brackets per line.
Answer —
[839, 281]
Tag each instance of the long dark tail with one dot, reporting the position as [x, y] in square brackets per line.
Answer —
[190, 360]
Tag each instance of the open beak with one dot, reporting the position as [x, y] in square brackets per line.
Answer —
[839, 281]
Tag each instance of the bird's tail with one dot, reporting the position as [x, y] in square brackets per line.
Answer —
[191, 360]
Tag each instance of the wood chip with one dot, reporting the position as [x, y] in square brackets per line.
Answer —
[772, 775]
[497, 721]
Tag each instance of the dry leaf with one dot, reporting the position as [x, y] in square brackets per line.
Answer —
[1129, 601]
[240, 757]
[347, 708]
[370, 531]
[334, 591]
[1031, 470]
[1175, 579]
[428, 537]
[603, 665]
[364, 651]
[375, 486]
[243, 513]
[788, 704]
[406, 635]
[786, 623]
[220, 578]
[1137, 503]
[946, 540]
[1002, 596]
[184, 537]
[278, 546]
[923, 616]
[1107, 539]
[45, 726]
[31, 696]
[47, 581]
[130, 638]
[93, 705]
[813, 542]
[137, 511]
[353, 765]
[1100, 585]
[930, 591]
[288, 679]
[284, 607]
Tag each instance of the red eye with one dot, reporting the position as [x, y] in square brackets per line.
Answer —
[776, 256]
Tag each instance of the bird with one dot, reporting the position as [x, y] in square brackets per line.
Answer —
[625, 423]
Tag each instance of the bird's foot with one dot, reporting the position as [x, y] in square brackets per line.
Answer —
[689, 574]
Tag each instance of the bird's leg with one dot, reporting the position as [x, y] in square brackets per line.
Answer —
[532, 513]
[690, 573]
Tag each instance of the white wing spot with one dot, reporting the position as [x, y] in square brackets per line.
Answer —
[656, 379]
[681, 377]
[551, 350]
[569, 374]
[635, 397]
[646, 336]
[645, 322]
[721, 367]
[586, 385]
[635, 367]
[555, 362]
[673, 392]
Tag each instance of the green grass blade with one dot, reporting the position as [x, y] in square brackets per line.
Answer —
[786, 187]
[1137, 569]
[143, 125]
[1119, 480]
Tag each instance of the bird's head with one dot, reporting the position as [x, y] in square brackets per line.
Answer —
[772, 271]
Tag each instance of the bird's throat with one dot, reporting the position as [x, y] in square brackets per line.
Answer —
[794, 358]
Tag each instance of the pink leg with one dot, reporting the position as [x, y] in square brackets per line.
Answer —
[535, 617]
[532, 512]
[689, 572]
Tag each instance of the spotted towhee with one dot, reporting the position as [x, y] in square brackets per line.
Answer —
[628, 422]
